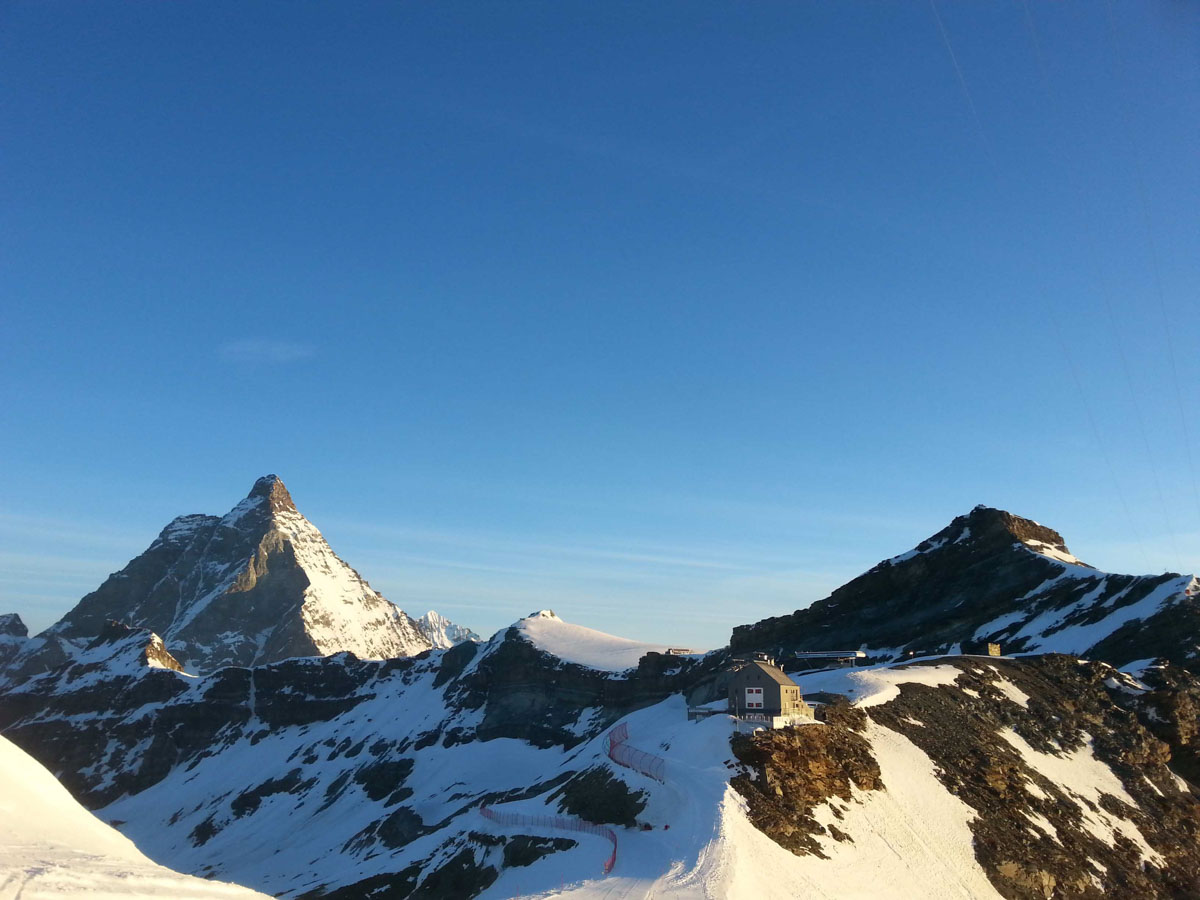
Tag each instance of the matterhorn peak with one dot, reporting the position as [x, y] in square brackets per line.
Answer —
[256, 585]
[271, 489]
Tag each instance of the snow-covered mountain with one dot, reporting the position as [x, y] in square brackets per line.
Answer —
[441, 776]
[492, 769]
[443, 633]
[50, 846]
[992, 576]
[256, 585]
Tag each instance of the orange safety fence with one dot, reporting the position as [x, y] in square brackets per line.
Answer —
[630, 757]
[562, 823]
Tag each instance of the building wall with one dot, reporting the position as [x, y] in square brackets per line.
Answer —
[752, 690]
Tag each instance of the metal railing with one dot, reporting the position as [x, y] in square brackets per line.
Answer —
[632, 758]
[561, 823]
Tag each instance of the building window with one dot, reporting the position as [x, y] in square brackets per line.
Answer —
[754, 698]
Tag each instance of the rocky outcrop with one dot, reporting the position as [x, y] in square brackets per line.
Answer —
[991, 576]
[1166, 699]
[791, 771]
[257, 585]
[1072, 796]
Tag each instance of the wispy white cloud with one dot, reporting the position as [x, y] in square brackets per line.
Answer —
[265, 351]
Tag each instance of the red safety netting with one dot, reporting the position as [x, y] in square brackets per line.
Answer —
[563, 823]
[630, 757]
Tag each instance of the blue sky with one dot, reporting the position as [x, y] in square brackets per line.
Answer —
[666, 316]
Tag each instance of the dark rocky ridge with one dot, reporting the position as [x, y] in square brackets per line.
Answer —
[971, 573]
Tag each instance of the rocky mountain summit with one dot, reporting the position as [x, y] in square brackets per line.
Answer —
[256, 585]
[990, 576]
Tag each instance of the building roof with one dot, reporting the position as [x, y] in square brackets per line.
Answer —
[772, 672]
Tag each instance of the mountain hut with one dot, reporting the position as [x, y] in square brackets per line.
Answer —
[759, 690]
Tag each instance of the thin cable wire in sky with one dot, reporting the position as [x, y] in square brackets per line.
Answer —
[1056, 102]
[992, 159]
[966, 91]
[1152, 246]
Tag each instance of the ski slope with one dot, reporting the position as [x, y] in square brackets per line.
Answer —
[913, 837]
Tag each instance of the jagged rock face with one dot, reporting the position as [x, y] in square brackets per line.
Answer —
[992, 576]
[443, 633]
[793, 770]
[257, 585]
[1170, 710]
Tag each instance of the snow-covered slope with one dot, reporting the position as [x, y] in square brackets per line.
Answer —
[701, 844]
[993, 577]
[256, 585]
[443, 633]
[582, 645]
[50, 846]
[956, 775]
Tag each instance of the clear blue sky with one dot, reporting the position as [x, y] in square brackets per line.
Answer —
[667, 316]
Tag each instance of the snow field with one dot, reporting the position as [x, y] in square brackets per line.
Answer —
[51, 847]
[584, 646]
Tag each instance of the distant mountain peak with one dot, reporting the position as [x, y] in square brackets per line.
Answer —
[254, 586]
[12, 626]
[443, 633]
